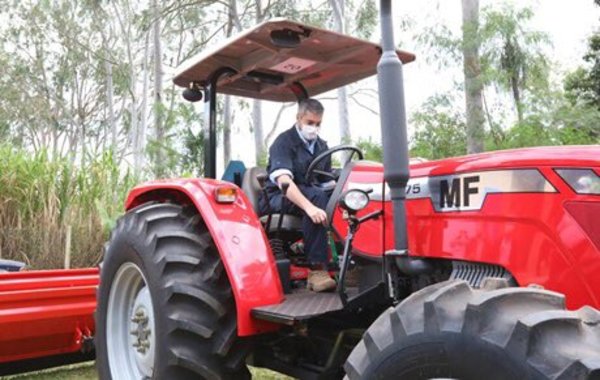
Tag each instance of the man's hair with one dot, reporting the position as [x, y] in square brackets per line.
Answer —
[310, 105]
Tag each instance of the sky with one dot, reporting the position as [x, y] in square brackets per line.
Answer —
[568, 24]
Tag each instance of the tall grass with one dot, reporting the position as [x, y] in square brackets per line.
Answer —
[40, 198]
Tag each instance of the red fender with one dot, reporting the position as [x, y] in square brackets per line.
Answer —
[239, 237]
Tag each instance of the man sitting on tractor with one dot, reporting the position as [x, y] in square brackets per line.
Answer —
[289, 157]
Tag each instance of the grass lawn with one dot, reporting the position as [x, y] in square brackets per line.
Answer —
[87, 371]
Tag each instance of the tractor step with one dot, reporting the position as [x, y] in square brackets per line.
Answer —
[299, 306]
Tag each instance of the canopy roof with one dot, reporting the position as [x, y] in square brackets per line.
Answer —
[324, 60]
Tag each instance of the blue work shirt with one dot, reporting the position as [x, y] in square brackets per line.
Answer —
[292, 153]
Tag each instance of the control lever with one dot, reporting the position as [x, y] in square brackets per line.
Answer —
[284, 189]
[262, 180]
[278, 247]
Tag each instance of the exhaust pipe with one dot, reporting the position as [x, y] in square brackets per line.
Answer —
[395, 142]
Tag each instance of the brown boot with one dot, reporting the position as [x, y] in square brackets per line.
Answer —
[320, 281]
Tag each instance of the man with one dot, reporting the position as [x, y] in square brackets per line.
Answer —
[289, 157]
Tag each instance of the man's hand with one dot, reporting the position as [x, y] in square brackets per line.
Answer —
[294, 194]
[317, 215]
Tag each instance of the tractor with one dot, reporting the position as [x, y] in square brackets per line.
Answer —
[483, 266]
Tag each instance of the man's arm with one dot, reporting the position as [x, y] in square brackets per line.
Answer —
[295, 195]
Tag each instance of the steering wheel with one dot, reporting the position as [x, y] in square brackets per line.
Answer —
[312, 168]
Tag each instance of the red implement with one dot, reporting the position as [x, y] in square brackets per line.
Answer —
[46, 314]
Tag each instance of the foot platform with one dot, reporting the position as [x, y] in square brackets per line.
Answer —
[299, 306]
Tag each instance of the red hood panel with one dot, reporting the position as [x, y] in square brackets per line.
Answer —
[563, 156]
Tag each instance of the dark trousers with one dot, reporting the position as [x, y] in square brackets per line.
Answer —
[315, 235]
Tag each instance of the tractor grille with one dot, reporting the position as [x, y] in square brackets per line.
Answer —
[474, 273]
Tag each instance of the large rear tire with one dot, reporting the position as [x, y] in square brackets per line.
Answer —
[165, 305]
[450, 330]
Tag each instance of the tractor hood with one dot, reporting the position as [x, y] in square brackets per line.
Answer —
[554, 156]
[274, 55]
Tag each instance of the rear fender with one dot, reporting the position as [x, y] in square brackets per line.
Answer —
[239, 237]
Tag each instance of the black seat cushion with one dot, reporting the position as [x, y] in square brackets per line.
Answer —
[251, 186]
[289, 223]
[252, 189]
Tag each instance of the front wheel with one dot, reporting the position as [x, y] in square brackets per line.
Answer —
[165, 306]
[450, 330]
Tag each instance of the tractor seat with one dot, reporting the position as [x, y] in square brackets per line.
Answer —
[252, 187]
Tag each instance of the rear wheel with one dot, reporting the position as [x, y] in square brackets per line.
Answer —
[450, 330]
[165, 306]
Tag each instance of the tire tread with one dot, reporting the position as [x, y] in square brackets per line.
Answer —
[196, 300]
[520, 317]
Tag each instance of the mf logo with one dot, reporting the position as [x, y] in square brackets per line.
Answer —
[452, 192]
[468, 191]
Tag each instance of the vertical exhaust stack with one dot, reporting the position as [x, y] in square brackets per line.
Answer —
[394, 136]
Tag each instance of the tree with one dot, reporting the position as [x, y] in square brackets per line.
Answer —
[582, 88]
[232, 22]
[159, 128]
[49, 84]
[513, 55]
[440, 130]
[373, 151]
[472, 73]
[257, 119]
[339, 23]
[583, 85]
[511, 58]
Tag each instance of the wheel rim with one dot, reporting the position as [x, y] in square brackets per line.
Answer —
[130, 325]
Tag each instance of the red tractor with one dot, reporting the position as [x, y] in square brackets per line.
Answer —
[457, 271]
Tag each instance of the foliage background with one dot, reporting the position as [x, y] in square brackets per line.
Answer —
[41, 197]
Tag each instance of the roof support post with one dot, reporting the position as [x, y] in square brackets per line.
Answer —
[210, 114]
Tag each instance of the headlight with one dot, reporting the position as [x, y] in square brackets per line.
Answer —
[354, 200]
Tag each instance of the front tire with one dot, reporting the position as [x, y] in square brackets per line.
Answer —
[450, 330]
[165, 306]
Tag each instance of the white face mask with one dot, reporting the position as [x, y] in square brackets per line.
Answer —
[309, 132]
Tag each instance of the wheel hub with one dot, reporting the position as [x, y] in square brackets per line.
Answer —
[141, 333]
[132, 339]
[142, 336]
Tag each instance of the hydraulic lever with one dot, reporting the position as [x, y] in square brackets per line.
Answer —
[284, 189]
[277, 244]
